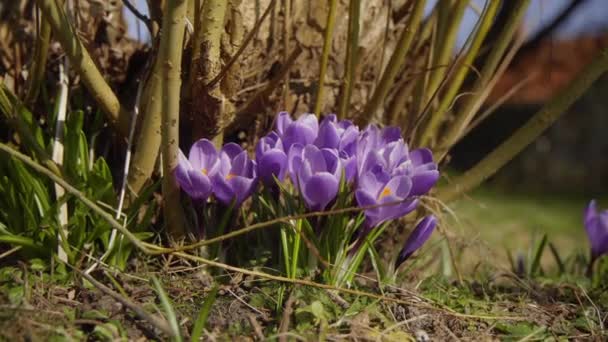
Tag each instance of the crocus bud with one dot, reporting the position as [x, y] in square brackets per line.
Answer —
[596, 224]
[417, 238]
[271, 159]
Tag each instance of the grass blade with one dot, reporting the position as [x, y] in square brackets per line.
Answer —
[201, 320]
[558, 259]
[537, 255]
[168, 308]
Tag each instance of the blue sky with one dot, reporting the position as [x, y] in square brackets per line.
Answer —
[590, 17]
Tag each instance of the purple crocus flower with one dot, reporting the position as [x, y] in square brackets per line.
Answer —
[596, 224]
[377, 187]
[236, 176]
[421, 168]
[341, 136]
[303, 131]
[318, 176]
[394, 158]
[193, 173]
[384, 147]
[271, 159]
[372, 138]
[417, 238]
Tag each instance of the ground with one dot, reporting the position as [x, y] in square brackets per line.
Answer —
[481, 298]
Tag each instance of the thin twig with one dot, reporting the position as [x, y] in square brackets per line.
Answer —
[287, 312]
[10, 251]
[147, 21]
[158, 323]
[309, 283]
[257, 328]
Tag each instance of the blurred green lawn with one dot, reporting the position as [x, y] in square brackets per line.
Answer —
[496, 221]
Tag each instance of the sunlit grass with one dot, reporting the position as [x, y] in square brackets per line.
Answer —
[499, 221]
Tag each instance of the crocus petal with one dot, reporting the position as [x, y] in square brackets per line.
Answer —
[370, 160]
[365, 199]
[332, 161]
[181, 171]
[390, 134]
[272, 163]
[294, 162]
[224, 164]
[196, 184]
[315, 157]
[421, 156]
[423, 182]
[232, 150]
[328, 134]
[348, 141]
[319, 190]
[395, 153]
[417, 238]
[298, 133]
[201, 185]
[310, 121]
[203, 155]
[596, 225]
[399, 186]
[222, 190]
[283, 121]
[395, 208]
[371, 182]
[239, 164]
[350, 167]
[304, 173]
[590, 211]
[242, 187]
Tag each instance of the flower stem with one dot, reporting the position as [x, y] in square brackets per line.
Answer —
[295, 252]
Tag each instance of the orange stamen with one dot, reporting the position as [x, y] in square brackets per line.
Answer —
[230, 176]
[386, 192]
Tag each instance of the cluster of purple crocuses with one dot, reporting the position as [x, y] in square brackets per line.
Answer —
[386, 176]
